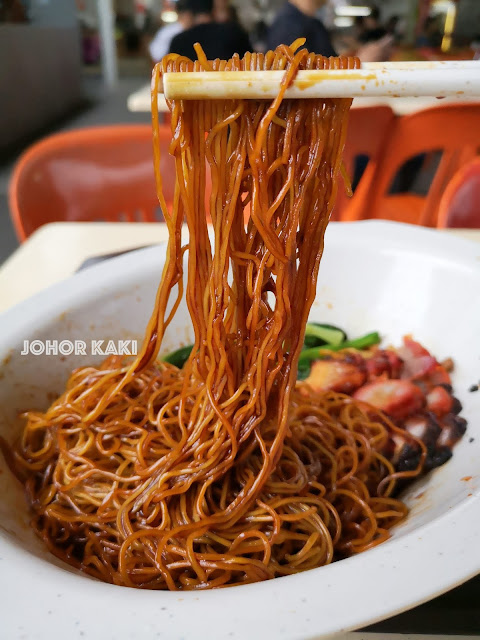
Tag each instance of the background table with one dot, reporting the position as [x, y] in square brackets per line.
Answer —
[57, 250]
[140, 100]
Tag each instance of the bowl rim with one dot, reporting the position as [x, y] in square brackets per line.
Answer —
[305, 605]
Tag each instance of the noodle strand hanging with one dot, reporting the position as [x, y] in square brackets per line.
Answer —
[225, 472]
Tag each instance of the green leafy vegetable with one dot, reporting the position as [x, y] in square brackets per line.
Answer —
[179, 357]
[304, 369]
[316, 335]
[308, 355]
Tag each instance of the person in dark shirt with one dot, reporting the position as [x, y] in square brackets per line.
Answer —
[297, 20]
[218, 40]
[369, 27]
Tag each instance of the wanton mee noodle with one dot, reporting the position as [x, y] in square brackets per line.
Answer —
[227, 471]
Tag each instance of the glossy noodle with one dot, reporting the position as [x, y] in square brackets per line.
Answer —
[225, 472]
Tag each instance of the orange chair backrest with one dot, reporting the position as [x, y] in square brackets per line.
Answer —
[453, 129]
[460, 204]
[93, 174]
[367, 130]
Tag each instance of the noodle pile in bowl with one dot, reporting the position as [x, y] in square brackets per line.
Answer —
[225, 472]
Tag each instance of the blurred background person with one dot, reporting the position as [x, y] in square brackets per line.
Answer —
[432, 33]
[475, 47]
[90, 40]
[223, 11]
[219, 40]
[259, 36]
[298, 19]
[160, 45]
[369, 28]
[394, 26]
[12, 11]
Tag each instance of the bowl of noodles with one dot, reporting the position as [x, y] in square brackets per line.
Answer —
[421, 279]
[289, 452]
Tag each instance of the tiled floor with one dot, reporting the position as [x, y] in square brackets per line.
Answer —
[100, 109]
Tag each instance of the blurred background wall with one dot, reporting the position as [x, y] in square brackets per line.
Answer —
[40, 68]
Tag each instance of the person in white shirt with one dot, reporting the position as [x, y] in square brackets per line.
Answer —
[160, 45]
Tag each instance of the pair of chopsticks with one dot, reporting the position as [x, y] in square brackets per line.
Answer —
[393, 79]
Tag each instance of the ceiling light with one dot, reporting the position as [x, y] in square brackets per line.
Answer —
[343, 22]
[442, 6]
[352, 11]
[169, 16]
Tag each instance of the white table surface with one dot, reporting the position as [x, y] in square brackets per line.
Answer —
[57, 250]
[139, 101]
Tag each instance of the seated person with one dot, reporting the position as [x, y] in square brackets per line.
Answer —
[297, 19]
[218, 40]
[160, 45]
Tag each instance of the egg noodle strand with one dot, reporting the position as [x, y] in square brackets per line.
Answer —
[225, 472]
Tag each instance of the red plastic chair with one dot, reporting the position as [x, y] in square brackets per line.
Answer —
[368, 128]
[93, 174]
[460, 204]
[453, 129]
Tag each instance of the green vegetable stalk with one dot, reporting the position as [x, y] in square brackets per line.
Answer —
[360, 343]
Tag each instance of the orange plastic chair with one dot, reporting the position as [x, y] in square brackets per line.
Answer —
[368, 128]
[453, 129]
[460, 204]
[93, 174]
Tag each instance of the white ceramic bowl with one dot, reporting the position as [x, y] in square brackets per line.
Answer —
[393, 278]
